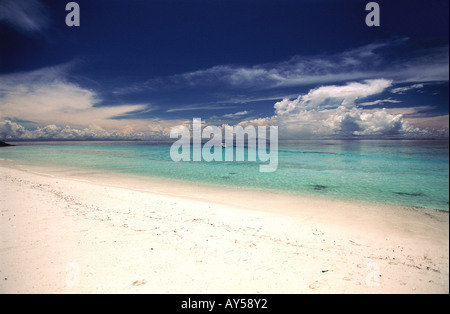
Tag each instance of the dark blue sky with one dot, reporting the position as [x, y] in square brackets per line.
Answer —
[231, 60]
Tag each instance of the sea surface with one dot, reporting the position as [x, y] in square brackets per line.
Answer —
[410, 173]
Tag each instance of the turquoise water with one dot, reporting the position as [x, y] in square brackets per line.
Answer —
[410, 173]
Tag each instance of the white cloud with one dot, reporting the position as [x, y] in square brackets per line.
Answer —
[205, 107]
[351, 65]
[378, 123]
[13, 130]
[378, 102]
[62, 102]
[235, 115]
[43, 105]
[332, 96]
[153, 130]
[331, 112]
[403, 90]
[58, 109]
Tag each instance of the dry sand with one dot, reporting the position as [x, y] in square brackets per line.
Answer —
[73, 231]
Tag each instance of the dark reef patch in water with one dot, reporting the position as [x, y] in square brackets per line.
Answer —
[318, 187]
[409, 194]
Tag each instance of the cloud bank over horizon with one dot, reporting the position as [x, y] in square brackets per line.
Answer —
[45, 104]
[331, 111]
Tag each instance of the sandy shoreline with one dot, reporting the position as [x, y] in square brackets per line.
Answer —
[64, 231]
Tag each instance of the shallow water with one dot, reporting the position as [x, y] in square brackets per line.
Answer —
[410, 173]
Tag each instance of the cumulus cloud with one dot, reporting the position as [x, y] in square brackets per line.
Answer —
[30, 110]
[332, 96]
[358, 122]
[331, 112]
[43, 105]
[10, 130]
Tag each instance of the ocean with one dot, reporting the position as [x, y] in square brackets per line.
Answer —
[399, 172]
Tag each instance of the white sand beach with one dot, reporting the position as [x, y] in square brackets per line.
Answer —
[74, 231]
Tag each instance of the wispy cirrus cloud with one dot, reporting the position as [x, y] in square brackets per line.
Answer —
[195, 108]
[380, 102]
[24, 15]
[236, 114]
[403, 90]
[227, 118]
[367, 62]
[296, 71]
